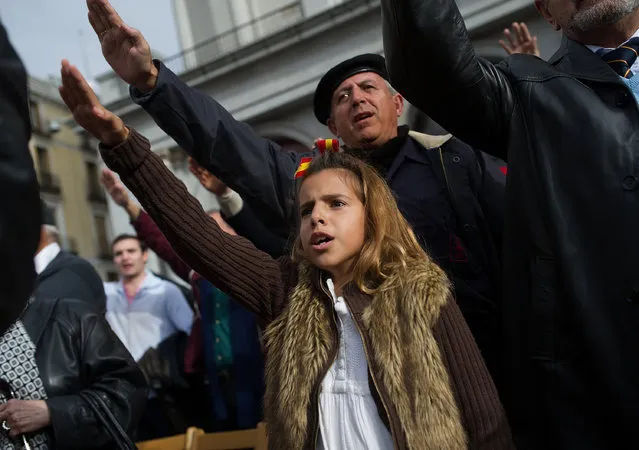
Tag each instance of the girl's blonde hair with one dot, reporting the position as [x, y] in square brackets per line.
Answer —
[389, 241]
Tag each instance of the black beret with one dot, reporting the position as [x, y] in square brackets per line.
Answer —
[368, 62]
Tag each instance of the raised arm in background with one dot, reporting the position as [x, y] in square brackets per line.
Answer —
[19, 191]
[144, 226]
[238, 214]
[519, 40]
[254, 167]
[431, 61]
[231, 263]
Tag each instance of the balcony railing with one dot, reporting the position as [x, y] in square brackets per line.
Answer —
[237, 37]
[49, 182]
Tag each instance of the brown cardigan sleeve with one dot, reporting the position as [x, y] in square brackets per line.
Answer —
[482, 413]
[231, 263]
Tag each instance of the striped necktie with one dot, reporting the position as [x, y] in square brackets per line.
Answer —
[622, 58]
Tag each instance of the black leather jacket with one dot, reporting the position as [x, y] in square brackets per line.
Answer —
[76, 351]
[569, 129]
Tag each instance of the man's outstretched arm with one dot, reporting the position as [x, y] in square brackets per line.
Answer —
[254, 167]
[431, 61]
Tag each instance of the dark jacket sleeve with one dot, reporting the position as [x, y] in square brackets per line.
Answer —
[19, 198]
[246, 224]
[231, 263]
[431, 61]
[481, 411]
[254, 167]
[108, 370]
[149, 232]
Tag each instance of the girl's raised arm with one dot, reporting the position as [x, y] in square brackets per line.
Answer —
[231, 263]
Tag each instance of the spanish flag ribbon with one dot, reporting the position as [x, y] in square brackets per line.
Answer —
[327, 145]
[323, 146]
[301, 170]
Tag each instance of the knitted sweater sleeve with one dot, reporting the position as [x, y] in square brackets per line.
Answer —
[231, 263]
[481, 411]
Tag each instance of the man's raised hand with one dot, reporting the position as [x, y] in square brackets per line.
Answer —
[123, 47]
[87, 110]
[119, 194]
[209, 181]
[115, 188]
[520, 40]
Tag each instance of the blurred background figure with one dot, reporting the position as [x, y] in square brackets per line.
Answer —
[152, 318]
[19, 193]
[62, 274]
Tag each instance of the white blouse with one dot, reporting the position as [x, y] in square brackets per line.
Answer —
[348, 415]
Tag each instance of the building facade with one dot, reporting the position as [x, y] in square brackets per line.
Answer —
[262, 60]
[67, 164]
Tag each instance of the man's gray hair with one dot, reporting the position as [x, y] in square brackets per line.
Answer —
[52, 232]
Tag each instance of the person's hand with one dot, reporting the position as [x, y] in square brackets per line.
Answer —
[520, 40]
[118, 193]
[123, 47]
[115, 188]
[209, 181]
[87, 110]
[24, 416]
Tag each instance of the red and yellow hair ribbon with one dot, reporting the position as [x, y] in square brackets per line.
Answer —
[323, 146]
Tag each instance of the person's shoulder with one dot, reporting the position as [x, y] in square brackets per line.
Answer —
[71, 313]
[168, 286]
[79, 263]
[110, 287]
[519, 67]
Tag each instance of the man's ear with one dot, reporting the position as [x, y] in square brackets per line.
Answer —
[398, 101]
[331, 126]
[542, 7]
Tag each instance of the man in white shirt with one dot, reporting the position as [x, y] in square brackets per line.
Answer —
[62, 274]
[145, 311]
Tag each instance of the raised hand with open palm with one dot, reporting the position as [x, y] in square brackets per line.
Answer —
[519, 40]
[123, 47]
[87, 111]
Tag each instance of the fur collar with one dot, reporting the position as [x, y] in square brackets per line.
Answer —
[429, 141]
[399, 322]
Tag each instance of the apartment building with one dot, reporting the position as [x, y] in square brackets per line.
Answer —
[67, 164]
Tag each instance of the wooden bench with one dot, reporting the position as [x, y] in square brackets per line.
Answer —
[232, 440]
[177, 442]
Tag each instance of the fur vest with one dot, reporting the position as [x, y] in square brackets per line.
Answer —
[399, 322]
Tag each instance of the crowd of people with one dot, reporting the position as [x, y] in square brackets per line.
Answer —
[393, 290]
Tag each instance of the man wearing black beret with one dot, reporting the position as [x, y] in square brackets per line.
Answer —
[450, 194]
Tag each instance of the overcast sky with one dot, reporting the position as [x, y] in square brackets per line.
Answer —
[46, 31]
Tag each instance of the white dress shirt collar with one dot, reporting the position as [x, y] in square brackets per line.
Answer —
[45, 256]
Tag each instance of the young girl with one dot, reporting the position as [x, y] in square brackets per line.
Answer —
[366, 348]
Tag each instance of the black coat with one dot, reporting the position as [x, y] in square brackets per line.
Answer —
[69, 276]
[77, 351]
[570, 129]
[19, 196]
